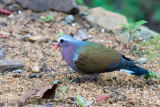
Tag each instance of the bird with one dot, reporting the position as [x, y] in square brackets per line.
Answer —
[93, 58]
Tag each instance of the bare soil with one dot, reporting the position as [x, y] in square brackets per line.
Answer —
[140, 92]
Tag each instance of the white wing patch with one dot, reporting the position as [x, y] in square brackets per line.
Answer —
[124, 70]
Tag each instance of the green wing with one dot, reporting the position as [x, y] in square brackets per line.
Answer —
[92, 58]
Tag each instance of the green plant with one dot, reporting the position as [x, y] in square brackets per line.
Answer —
[152, 75]
[81, 102]
[61, 93]
[59, 34]
[80, 2]
[131, 28]
[48, 18]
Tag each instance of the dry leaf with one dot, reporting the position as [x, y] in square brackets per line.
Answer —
[81, 36]
[102, 97]
[38, 39]
[45, 92]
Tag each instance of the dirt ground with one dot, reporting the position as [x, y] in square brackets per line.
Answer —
[140, 92]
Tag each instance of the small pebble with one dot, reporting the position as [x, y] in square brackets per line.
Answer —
[57, 82]
[17, 71]
[35, 69]
[19, 12]
[32, 75]
[102, 41]
[35, 75]
[81, 14]
[74, 24]
[102, 30]
[90, 36]
[142, 60]
[26, 37]
[140, 38]
[4, 24]
[33, 16]
[69, 19]
[110, 41]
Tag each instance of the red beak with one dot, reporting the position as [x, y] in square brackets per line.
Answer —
[56, 47]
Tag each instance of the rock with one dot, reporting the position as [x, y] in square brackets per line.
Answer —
[144, 34]
[69, 19]
[106, 19]
[7, 2]
[35, 69]
[35, 75]
[2, 52]
[83, 8]
[26, 37]
[33, 17]
[10, 65]
[67, 6]
[142, 60]
[13, 7]
[57, 82]
[17, 71]
[4, 24]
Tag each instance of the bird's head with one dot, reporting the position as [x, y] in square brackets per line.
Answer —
[64, 40]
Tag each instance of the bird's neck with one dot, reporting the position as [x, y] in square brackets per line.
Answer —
[68, 53]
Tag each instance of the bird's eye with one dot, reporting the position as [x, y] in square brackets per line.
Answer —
[61, 40]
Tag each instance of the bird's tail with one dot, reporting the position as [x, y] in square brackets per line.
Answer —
[136, 70]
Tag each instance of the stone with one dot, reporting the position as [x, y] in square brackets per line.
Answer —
[2, 52]
[10, 65]
[17, 71]
[142, 60]
[35, 75]
[4, 24]
[35, 69]
[67, 6]
[108, 20]
[69, 19]
[13, 7]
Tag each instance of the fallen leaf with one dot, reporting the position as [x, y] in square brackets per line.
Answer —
[102, 97]
[4, 36]
[45, 92]
[81, 36]
[5, 11]
[38, 39]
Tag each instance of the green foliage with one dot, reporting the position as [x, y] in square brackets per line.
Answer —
[131, 28]
[152, 75]
[81, 102]
[152, 48]
[59, 34]
[156, 15]
[48, 18]
[80, 2]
